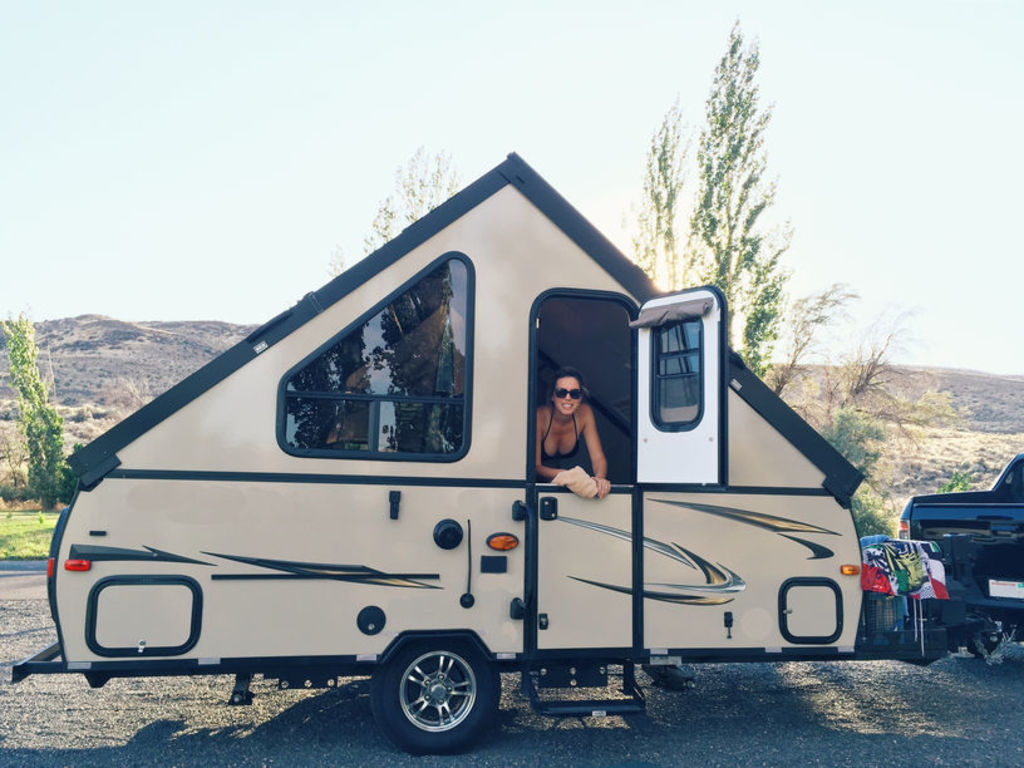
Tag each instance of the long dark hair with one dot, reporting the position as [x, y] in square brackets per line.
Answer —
[562, 373]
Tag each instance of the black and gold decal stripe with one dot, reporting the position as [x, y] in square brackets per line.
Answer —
[289, 569]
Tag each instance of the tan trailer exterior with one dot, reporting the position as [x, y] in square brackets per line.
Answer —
[225, 527]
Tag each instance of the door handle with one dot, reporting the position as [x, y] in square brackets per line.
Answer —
[519, 511]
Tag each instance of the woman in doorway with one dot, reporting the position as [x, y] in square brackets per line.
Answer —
[561, 423]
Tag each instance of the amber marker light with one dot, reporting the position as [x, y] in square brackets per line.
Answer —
[849, 570]
[77, 565]
[502, 542]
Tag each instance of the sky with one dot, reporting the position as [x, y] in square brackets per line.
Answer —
[203, 160]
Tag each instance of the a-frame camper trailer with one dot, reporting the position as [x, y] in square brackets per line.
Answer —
[352, 490]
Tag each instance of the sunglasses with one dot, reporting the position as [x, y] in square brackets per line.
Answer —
[575, 394]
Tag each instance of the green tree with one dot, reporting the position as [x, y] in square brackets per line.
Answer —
[421, 185]
[40, 423]
[873, 513]
[657, 244]
[13, 456]
[728, 240]
[860, 437]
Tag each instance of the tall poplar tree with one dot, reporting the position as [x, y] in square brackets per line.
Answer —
[728, 240]
[658, 244]
[40, 423]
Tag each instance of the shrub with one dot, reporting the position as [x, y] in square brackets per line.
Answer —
[960, 481]
[871, 514]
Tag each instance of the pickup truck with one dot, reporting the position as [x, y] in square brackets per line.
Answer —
[983, 531]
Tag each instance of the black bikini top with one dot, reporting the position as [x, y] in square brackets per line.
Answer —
[575, 446]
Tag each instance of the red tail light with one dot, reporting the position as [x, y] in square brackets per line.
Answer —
[51, 566]
[904, 529]
[77, 565]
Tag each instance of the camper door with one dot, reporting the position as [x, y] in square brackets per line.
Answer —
[680, 389]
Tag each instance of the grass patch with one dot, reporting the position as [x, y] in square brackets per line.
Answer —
[23, 536]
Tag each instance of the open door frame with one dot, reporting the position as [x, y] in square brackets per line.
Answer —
[531, 590]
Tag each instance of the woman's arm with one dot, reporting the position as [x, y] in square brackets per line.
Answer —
[597, 457]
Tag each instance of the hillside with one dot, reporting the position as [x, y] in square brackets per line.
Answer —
[103, 369]
[86, 354]
[990, 433]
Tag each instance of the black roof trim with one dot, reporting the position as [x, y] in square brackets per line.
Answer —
[841, 477]
[98, 457]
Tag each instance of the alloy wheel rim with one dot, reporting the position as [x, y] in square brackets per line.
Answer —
[437, 691]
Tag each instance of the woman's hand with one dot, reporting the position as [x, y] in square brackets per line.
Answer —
[603, 487]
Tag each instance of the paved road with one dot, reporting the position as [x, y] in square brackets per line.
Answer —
[23, 583]
[959, 711]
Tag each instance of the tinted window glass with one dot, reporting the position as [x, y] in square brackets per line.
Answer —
[394, 385]
[677, 380]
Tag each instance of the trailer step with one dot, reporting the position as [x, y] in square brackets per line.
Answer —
[632, 701]
[596, 708]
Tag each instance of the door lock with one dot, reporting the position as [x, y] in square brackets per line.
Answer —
[549, 508]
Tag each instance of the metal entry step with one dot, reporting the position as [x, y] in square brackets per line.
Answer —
[631, 701]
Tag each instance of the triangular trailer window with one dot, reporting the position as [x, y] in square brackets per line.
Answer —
[394, 384]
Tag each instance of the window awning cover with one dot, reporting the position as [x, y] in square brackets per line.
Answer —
[654, 317]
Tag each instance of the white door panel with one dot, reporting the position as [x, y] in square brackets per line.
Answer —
[679, 392]
[585, 573]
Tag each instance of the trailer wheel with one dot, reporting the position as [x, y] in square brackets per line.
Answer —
[435, 697]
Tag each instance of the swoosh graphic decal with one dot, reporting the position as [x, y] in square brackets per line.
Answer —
[719, 578]
[666, 597]
[652, 544]
[818, 552]
[720, 582]
[354, 573]
[760, 519]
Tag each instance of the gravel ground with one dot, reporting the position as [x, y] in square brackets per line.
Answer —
[959, 711]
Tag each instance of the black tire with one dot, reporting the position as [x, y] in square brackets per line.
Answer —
[435, 697]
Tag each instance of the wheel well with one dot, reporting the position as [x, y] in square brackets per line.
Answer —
[435, 636]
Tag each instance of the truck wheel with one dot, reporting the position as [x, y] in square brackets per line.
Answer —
[435, 697]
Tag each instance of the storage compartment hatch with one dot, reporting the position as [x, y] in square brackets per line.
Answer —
[143, 616]
[810, 611]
